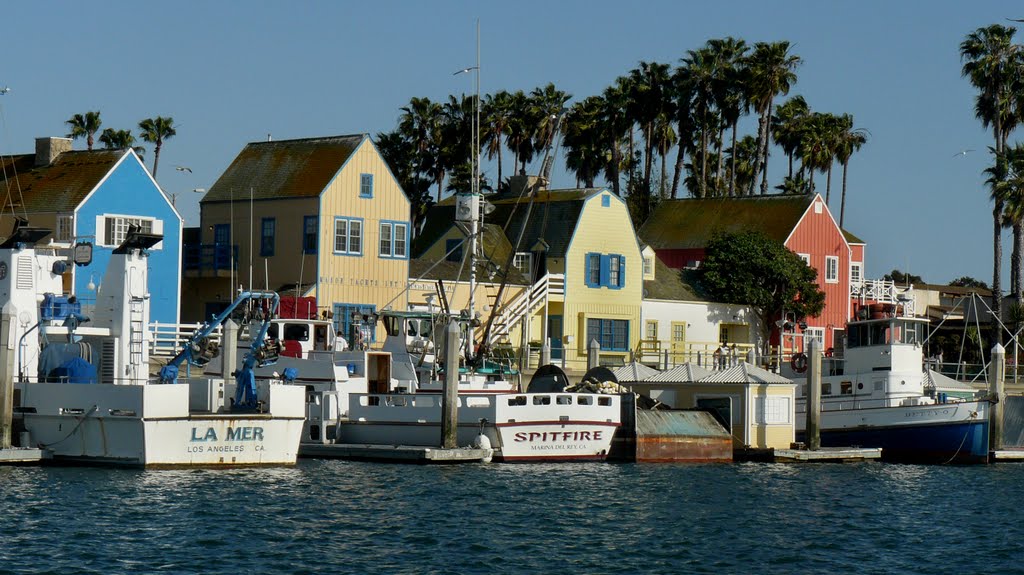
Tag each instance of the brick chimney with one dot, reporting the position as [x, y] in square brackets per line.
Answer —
[47, 149]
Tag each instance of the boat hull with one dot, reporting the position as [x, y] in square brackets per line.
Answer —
[521, 427]
[940, 433]
[152, 426]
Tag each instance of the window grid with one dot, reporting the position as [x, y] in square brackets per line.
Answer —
[65, 225]
[612, 334]
[309, 232]
[348, 236]
[393, 240]
[116, 228]
[365, 185]
[268, 230]
[831, 269]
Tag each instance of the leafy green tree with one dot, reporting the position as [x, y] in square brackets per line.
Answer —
[968, 282]
[496, 113]
[120, 140]
[156, 131]
[896, 276]
[84, 126]
[421, 123]
[751, 269]
[400, 155]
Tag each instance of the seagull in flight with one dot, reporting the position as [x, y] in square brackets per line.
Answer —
[4, 90]
[962, 153]
[183, 169]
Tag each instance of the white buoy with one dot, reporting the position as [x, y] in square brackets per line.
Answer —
[483, 442]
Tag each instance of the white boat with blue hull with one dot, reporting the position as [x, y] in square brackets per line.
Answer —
[83, 389]
[882, 395]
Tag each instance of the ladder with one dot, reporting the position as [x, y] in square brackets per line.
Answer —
[136, 330]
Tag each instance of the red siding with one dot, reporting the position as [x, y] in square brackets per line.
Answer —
[818, 235]
[678, 258]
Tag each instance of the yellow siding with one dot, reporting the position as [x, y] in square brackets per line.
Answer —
[368, 279]
[603, 230]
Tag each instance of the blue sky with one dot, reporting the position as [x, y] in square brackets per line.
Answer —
[232, 72]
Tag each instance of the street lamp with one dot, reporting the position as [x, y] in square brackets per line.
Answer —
[474, 186]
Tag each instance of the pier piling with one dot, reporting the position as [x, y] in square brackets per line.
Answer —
[814, 396]
[229, 347]
[593, 354]
[997, 389]
[7, 371]
[450, 395]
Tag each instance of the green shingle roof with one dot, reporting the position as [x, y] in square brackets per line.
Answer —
[553, 218]
[670, 284]
[690, 223]
[60, 186]
[284, 168]
[850, 238]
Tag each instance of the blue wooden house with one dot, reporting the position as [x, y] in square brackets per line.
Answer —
[94, 196]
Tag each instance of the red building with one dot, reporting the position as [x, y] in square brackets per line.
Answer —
[679, 230]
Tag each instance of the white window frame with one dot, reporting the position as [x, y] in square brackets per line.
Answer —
[121, 223]
[773, 410]
[856, 277]
[831, 269]
[648, 266]
[390, 245]
[806, 258]
[814, 333]
[523, 261]
[352, 234]
[65, 228]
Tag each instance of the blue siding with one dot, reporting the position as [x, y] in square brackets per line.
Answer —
[129, 191]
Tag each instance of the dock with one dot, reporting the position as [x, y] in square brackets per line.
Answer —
[22, 455]
[396, 453]
[1006, 456]
[822, 455]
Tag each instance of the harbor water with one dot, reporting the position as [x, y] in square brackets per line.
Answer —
[329, 516]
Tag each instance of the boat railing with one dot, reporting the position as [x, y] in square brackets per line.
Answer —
[167, 339]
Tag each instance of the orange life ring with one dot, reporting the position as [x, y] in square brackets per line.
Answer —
[799, 362]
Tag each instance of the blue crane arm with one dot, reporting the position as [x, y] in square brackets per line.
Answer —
[189, 352]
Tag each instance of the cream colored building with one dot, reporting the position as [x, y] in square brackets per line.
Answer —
[315, 217]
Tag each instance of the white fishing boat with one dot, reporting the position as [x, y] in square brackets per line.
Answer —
[84, 391]
[881, 394]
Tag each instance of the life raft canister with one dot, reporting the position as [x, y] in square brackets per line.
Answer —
[799, 362]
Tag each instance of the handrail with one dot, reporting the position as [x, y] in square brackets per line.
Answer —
[527, 301]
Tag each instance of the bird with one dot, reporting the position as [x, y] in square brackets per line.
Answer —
[962, 153]
[1016, 19]
[183, 169]
[4, 90]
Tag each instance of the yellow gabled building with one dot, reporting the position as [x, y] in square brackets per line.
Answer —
[580, 252]
[314, 217]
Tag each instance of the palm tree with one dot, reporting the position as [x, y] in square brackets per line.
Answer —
[648, 100]
[787, 124]
[1007, 184]
[772, 73]
[615, 124]
[584, 141]
[850, 141]
[520, 131]
[698, 73]
[120, 140]
[84, 126]
[497, 115]
[401, 157]
[155, 131]
[815, 152]
[547, 105]
[421, 122]
[664, 138]
[731, 95]
[991, 63]
[682, 111]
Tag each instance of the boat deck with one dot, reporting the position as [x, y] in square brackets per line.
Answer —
[822, 455]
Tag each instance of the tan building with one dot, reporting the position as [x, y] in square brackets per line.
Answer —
[315, 217]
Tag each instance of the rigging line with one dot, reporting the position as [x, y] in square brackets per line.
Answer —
[428, 270]
[14, 170]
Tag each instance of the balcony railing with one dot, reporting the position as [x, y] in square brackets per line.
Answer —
[210, 257]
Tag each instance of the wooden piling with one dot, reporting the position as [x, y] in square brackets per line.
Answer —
[450, 395]
[814, 396]
[593, 354]
[229, 350]
[997, 389]
[8, 348]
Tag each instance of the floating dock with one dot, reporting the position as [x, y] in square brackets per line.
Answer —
[823, 455]
[395, 453]
[1006, 456]
[22, 455]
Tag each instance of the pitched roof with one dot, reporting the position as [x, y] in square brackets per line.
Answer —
[670, 284]
[60, 186]
[284, 168]
[634, 371]
[850, 238]
[745, 373]
[685, 373]
[690, 223]
[553, 218]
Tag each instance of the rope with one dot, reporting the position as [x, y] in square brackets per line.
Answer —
[85, 416]
[962, 441]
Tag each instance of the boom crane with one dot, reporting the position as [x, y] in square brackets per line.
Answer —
[200, 349]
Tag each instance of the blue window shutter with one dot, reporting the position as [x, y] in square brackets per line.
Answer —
[604, 270]
[622, 271]
[586, 270]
